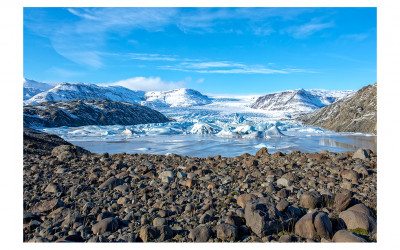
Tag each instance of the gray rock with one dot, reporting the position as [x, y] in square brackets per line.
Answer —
[346, 236]
[282, 205]
[111, 183]
[310, 199]
[262, 217]
[200, 234]
[305, 226]
[149, 233]
[284, 182]
[343, 200]
[361, 208]
[122, 188]
[46, 206]
[206, 217]
[323, 225]
[244, 198]
[354, 219]
[227, 232]
[106, 225]
[361, 154]
[166, 173]
[53, 188]
[159, 222]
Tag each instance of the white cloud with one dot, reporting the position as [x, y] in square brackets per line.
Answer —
[151, 57]
[308, 29]
[149, 84]
[226, 67]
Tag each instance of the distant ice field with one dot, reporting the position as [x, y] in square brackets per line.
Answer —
[226, 127]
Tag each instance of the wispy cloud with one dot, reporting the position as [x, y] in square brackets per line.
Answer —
[149, 84]
[151, 57]
[82, 41]
[226, 67]
[308, 29]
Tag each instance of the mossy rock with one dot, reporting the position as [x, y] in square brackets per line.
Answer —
[360, 231]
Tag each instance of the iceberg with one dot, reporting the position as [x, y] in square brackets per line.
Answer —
[202, 129]
[273, 132]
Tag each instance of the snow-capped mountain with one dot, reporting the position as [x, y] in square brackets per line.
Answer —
[176, 98]
[36, 93]
[299, 100]
[32, 88]
[72, 91]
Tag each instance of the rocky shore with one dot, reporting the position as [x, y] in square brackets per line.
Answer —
[73, 195]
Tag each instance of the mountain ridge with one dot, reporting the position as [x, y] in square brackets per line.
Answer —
[356, 113]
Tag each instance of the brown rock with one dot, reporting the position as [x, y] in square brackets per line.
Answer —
[346, 236]
[244, 198]
[107, 225]
[350, 175]
[305, 226]
[310, 199]
[342, 200]
[323, 225]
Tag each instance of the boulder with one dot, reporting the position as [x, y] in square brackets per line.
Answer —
[227, 232]
[244, 198]
[305, 226]
[361, 154]
[262, 152]
[361, 208]
[106, 225]
[200, 234]
[310, 199]
[323, 225]
[46, 206]
[346, 236]
[343, 200]
[262, 217]
[315, 225]
[350, 175]
[354, 219]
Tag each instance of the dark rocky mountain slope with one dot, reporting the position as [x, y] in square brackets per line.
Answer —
[356, 113]
[89, 112]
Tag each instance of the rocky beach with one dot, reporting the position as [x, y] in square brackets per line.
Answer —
[73, 195]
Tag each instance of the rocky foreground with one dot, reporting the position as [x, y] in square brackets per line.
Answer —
[72, 195]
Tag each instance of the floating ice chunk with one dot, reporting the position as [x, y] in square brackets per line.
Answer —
[227, 133]
[202, 129]
[252, 135]
[126, 132]
[244, 129]
[144, 149]
[273, 132]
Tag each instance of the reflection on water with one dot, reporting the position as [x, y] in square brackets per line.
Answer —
[204, 146]
[350, 142]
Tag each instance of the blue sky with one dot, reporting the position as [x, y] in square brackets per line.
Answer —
[213, 50]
